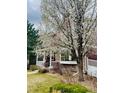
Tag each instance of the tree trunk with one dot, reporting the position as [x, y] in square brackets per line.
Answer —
[80, 70]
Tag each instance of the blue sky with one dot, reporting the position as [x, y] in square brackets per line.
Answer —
[33, 12]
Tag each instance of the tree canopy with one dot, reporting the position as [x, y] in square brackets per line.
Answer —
[32, 38]
[75, 21]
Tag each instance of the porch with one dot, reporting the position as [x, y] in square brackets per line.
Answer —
[62, 56]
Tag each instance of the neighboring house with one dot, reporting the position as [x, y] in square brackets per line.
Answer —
[48, 56]
[51, 53]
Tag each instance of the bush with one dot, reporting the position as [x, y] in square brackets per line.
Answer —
[43, 70]
[28, 67]
[33, 67]
[67, 88]
[56, 68]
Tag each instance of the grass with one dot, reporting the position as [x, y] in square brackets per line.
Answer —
[29, 71]
[40, 83]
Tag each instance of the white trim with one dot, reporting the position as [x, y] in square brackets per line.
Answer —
[50, 58]
[68, 62]
[44, 55]
[40, 63]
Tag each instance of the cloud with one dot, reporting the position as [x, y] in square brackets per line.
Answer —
[33, 11]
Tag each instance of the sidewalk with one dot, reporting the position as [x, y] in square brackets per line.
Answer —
[32, 72]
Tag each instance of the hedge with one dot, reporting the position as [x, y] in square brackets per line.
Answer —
[68, 88]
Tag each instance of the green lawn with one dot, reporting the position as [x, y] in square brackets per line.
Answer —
[40, 83]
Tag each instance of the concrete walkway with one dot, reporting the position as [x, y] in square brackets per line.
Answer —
[32, 72]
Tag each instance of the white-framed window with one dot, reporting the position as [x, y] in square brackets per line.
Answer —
[66, 55]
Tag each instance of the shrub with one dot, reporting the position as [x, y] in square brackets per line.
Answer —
[33, 67]
[56, 68]
[67, 88]
[43, 70]
[28, 67]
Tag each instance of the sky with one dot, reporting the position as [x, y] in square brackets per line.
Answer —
[33, 12]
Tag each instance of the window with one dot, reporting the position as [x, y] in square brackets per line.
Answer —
[65, 56]
[40, 57]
